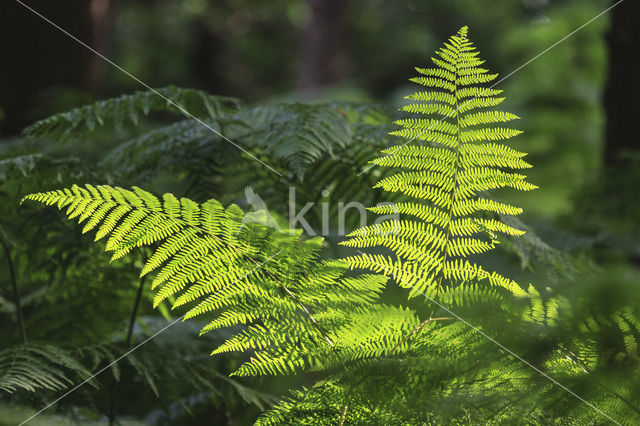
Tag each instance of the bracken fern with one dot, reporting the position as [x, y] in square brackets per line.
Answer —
[118, 111]
[36, 366]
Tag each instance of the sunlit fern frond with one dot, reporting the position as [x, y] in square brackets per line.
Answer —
[324, 404]
[295, 312]
[453, 154]
[475, 385]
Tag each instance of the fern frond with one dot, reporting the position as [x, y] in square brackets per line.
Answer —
[295, 310]
[34, 367]
[298, 134]
[129, 108]
[456, 159]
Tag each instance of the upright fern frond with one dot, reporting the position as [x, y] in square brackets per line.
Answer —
[455, 160]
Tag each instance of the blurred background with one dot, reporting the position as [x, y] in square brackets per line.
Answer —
[578, 100]
[335, 49]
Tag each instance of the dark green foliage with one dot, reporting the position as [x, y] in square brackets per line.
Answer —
[128, 108]
[33, 367]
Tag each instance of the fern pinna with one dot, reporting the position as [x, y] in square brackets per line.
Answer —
[454, 161]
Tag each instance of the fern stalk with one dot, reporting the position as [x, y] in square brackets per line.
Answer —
[16, 293]
[134, 312]
[345, 409]
[115, 387]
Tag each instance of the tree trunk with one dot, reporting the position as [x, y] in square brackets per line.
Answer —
[36, 56]
[206, 59]
[324, 44]
[623, 86]
[102, 18]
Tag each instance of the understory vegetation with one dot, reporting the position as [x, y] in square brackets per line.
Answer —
[439, 306]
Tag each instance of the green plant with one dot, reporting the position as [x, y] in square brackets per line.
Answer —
[447, 174]
[34, 367]
[370, 358]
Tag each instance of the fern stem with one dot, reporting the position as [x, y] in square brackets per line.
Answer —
[452, 196]
[134, 312]
[115, 388]
[415, 330]
[16, 293]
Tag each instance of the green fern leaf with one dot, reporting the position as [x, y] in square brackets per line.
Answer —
[296, 312]
[128, 108]
[34, 367]
[455, 159]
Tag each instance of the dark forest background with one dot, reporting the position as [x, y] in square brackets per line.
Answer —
[579, 119]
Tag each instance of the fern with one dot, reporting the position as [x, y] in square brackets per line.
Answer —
[34, 367]
[184, 146]
[456, 161]
[337, 168]
[299, 312]
[171, 370]
[290, 311]
[129, 108]
[314, 130]
[300, 134]
[36, 165]
[331, 132]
